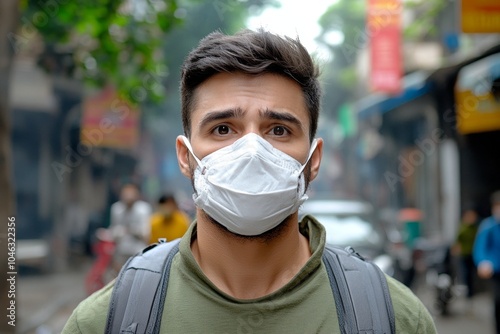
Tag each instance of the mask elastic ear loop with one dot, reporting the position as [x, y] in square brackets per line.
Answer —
[311, 151]
[190, 149]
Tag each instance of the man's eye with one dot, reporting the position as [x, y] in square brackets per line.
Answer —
[222, 130]
[279, 131]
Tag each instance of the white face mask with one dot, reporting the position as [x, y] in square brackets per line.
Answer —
[249, 187]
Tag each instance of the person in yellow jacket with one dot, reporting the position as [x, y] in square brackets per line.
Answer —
[168, 221]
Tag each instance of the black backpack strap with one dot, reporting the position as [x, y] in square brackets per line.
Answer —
[361, 293]
[139, 293]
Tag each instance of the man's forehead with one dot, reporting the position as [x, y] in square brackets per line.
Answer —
[221, 91]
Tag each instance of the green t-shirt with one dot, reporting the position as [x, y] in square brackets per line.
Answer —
[303, 305]
[466, 237]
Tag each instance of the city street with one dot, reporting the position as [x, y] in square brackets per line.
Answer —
[47, 300]
[384, 113]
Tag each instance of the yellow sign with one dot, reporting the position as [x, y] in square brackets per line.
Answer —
[478, 109]
[480, 16]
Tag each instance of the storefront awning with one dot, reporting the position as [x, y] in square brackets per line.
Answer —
[477, 95]
[414, 86]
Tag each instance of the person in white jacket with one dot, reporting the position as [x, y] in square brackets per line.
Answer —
[129, 224]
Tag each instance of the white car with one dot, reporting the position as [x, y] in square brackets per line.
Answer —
[351, 223]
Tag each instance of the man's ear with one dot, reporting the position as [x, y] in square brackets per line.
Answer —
[183, 157]
[315, 160]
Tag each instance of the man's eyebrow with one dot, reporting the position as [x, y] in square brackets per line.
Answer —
[220, 115]
[280, 116]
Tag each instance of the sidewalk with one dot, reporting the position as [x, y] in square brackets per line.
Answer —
[462, 318]
[46, 300]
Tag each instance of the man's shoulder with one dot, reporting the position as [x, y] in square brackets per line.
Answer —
[91, 314]
[399, 290]
[410, 313]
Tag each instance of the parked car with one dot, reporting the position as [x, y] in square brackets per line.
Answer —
[352, 223]
[33, 253]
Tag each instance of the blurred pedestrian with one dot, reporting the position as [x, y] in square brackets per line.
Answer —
[486, 253]
[463, 249]
[168, 222]
[410, 220]
[250, 109]
[129, 224]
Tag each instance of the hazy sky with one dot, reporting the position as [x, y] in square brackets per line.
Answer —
[294, 18]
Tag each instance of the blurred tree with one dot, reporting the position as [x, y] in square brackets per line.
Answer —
[424, 14]
[343, 33]
[111, 42]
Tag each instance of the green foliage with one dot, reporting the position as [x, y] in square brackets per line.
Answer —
[424, 24]
[114, 42]
[348, 77]
[122, 42]
[346, 17]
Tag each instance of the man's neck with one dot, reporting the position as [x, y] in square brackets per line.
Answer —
[249, 268]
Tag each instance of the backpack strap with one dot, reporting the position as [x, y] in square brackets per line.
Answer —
[139, 293]
[360, 291]
[359, 288]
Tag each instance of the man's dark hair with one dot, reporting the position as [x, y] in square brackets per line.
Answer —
[250, 52]
[167, 198]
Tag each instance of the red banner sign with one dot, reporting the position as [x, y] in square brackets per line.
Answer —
[109, 121]
[384, 30]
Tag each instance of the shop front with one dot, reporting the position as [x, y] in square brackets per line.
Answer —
[404, 172]
[477, 96]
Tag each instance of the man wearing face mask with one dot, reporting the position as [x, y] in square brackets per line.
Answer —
[486, 253]
[250, 107]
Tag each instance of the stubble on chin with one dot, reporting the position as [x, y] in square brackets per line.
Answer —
[266, 237]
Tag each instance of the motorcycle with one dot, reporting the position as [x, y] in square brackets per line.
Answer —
[440, 275]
